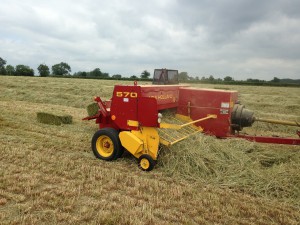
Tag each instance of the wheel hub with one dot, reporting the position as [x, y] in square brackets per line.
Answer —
[145, 163]
[106, 145]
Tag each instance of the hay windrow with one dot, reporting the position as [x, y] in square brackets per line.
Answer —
[235, 163]
[52, 119]
[66, 119]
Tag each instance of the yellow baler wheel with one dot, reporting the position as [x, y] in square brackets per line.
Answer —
[106, 144]
[146, 162]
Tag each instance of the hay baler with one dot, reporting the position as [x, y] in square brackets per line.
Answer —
[134, 119]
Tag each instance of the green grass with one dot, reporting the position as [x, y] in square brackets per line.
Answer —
[49, 175]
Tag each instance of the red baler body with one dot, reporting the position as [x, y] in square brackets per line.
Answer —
[197, 103]
[142, 103]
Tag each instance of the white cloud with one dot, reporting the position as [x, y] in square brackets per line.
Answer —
[241, 39]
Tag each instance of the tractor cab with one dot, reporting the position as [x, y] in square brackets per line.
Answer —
[165, 76]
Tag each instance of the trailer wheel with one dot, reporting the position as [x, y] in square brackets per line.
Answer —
[146, 162]
[106, 144]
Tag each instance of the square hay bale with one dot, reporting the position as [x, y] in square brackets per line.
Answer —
[48, 118]
[66, 119]
[92, 109]
[52, 119]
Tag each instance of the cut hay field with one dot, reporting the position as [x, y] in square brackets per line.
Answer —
[48, 174]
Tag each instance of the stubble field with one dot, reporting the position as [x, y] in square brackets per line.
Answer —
[49, 175]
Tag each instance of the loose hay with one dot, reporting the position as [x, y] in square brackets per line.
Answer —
[49, 118]
[67, 119]
[92, 109]
[235, 163]
[53, 167]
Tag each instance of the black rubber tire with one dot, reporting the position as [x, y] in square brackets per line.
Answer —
[106, 144]
[146, 163]
[121, 152]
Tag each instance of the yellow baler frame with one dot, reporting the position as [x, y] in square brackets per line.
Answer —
[146, 140]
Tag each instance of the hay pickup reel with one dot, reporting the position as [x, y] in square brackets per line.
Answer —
[133, 119]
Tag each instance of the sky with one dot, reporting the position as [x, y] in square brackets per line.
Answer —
[258, 39]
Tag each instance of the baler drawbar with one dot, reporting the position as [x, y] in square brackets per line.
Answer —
[133, 119]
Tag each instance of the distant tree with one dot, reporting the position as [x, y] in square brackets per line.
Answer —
[2, 66]
[61, 69]
[2, 62]
[3, 70]
[228, 78]
[275, 80]
[117, 76]
[255, 80]
[95, 73]
[22, 70]
[80, 74]
[183, 76]
[145, 74]
[197, 78]
[211, 78]
[43, 70]
[10, 70]
[134, 77]
[105, 75]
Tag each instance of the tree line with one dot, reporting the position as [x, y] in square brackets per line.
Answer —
[60, 69]
[210, 79]
[184, 77]
[64, 70]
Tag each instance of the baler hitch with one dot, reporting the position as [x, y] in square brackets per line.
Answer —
[282, 122]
